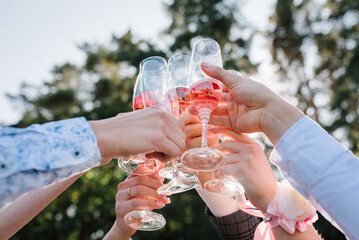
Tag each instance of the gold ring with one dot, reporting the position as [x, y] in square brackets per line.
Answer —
[128, 192]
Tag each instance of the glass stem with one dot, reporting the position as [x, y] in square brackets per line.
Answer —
[204, 115]
[174, 167]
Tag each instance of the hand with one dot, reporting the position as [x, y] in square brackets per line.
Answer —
[251, 107]
[143, 195]
[193, 131]
[246, 161]
[140, 132]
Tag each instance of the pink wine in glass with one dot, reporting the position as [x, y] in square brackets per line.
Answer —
[184, 98]
[206, 93]
[151, 100]
[177, 98]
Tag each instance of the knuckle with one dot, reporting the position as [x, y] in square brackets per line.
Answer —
[120, 186]
[247, 157]
[134, 203]
[252, 149]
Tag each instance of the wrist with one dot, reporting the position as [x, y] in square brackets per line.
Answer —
[277, 117]
[97, 129]
[264, 201]
[116, 233]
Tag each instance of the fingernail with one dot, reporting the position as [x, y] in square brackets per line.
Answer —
[212, 129]
[160, 204]
[166, 199]
[205, 65]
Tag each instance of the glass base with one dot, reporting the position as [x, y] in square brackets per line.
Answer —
[203, 159]
[177, 185]
[145, 220]
[139, 165]
[183, 171]
[224, 187]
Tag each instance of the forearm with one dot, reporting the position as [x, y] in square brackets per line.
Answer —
[25, 208]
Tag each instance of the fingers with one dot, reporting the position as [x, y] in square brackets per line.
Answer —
[223, 121]
[221, 110]
[173, 129]
[229, 79]
[212, 140]
[229, 170]
[141, 191]
[193, 130]
[189, 118]
[232, 134]
[133, 180]
[124, 207]
[155, 175]
[192, 110]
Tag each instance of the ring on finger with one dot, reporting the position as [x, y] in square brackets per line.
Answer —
[128, 192]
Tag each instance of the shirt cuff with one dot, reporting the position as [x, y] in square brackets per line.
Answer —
[48, 146]
[220, 205]
[39, 155]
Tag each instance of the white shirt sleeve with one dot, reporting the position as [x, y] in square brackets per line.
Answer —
[39, 155]
[323, 171]
[220, 205]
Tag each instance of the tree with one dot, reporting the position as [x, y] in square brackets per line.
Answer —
[101, 88]
[315, 45]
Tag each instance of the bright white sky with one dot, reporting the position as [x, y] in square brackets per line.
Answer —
[36, 35]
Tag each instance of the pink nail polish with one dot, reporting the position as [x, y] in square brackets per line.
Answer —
[205, 65]
[160, 204]
[212, 129]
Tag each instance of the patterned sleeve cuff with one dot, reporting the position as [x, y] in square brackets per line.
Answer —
[39, 155]
[238, 225]
[48, 146]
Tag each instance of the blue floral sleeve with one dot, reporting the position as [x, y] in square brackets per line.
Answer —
[39, 155]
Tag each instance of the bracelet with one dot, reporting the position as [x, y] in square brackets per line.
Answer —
[290, 210]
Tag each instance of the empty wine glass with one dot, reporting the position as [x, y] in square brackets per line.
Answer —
[178, 71]
[205, 93]
[174, 88]
[153, 73]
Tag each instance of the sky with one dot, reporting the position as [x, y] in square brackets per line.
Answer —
[36, 35]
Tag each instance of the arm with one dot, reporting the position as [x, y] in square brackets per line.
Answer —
[43, 155]
[26, 207]
[247, 162]
[39, 155]
[223, 211]
[319, 167]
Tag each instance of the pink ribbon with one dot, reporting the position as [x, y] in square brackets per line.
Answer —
[264, 229]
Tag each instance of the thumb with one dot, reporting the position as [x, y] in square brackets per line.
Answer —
[229, 79]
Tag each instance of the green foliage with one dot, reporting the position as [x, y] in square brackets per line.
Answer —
[316, 46]
[327, 31]
[217, 19]
[102, 87]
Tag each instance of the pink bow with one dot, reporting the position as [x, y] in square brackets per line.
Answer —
[264, 229]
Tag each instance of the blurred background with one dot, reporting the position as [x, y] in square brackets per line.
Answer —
[80, 58]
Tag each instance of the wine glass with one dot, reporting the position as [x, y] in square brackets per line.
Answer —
[153, 73]
[178, 70]
[226, 185]
[205, 93]
[174, 99]
[130, 164]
